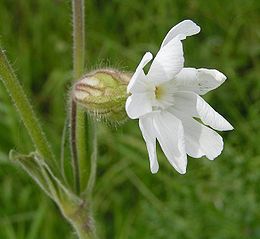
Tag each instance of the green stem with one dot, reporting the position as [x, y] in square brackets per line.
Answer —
[24, 109]
[93, 169]
[79, 134]
[73, 121]
[80, 216]
[78, 38]
[79, 127]
[83, 234]
[81, 138]
[63, 148]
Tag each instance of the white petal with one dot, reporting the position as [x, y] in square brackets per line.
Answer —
[137, 82]
[183, 29]
[192, 104]
[210, 117]
[138, 105]
[170, 134]
[201, 140]
[147, 128]
[167, 63]
[199, 81]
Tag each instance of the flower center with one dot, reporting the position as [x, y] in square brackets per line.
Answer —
[159, 92]
[164, 95]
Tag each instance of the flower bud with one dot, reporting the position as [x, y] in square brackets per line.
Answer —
[103, 94]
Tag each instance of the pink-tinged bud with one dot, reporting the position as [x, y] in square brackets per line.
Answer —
[103, 94]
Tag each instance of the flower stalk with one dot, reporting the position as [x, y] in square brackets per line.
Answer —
[78, 131]
[93, 169]
[82, 128]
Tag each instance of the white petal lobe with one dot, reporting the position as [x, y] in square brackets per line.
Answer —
[167, 63]
[170, 134]
[146, 126]
[195, 106]
[138, 105]
[199, 81]
[201, 140]
[210, 117]
[137, 83]
[183, 29]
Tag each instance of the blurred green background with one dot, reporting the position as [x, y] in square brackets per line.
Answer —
[217, 200]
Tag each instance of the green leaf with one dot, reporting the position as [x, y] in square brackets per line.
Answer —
[41, 173]
[73, 208]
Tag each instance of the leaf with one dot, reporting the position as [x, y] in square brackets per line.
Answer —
[30, 165]
[41, 173]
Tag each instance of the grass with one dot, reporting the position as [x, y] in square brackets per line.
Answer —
[217, 200]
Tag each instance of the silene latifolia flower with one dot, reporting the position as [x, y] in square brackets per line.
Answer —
[167, 102]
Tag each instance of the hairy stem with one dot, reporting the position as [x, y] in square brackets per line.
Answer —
[81, 128]
[78, 115]
[74, 148]
[63, 145]
[81, 219]
[83, 234]
[93, 169]
[25, 109]
[78, 37]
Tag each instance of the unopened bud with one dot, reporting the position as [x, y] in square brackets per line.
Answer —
[103, 94]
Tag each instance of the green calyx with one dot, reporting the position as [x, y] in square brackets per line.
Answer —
[103, 94]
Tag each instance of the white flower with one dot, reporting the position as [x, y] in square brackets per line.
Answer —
[166, 100]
